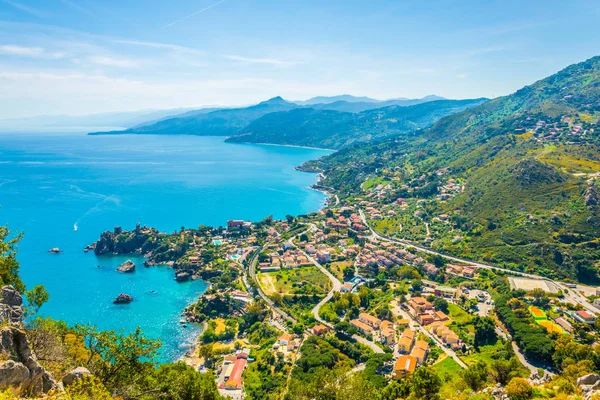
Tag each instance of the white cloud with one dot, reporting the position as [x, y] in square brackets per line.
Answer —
[28, 10]
[462, 76]
[172, 47]
[270, 61]
[32, 52]
[113, 62]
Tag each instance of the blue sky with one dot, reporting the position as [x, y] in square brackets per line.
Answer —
[89, 56]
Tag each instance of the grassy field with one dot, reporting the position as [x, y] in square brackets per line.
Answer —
[484, 354]
[336, 268]
[290, 281]
[458, 315]
[449, 372]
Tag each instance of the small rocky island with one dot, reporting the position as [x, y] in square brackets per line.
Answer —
[123, 298]
[127, 267]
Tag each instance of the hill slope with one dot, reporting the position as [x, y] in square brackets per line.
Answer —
[515, 179]
[333, 129]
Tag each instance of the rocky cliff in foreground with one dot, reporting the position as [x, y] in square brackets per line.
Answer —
[19, 366]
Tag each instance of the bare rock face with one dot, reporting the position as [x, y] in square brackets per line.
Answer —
[588, 379]
[74, 375]
[127, 267]
[21, 367]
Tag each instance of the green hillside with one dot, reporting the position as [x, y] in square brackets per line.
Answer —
[516, 177]
[334, 129]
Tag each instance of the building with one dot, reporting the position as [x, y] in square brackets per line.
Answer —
[362, 327]
[347, 287]
[319, 330]
[426, 319]
[234, 382]
[584, 316]
[563, 323]
[369, 320]
[420, 351]
[419, 305]
[323, 256]
[405, 365]
[287, 341]
[406, 341]
[387, 333]
[446, 291]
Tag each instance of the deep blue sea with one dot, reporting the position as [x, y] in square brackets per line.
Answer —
[64, 190]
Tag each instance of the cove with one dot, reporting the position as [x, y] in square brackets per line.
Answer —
[64, 190]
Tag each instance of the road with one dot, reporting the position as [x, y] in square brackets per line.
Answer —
[570, 294]
[398, 311]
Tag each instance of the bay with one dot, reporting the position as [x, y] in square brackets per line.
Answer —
[64, 190]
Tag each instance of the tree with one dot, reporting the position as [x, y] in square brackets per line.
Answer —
[417, 284]
[519, 389]
[178, 382]
[118, 359]
[289, 218]
[441, 304]
[9, 267]
[304, 237]
[502, 371]
[36, 297]
[476, 375]
[425, 384]
[485, 331]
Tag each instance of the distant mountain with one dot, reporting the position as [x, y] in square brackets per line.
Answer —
[82, 123]
[222, 122]
[523, 172]
[358, 106]
[334, 129]
[333, 99]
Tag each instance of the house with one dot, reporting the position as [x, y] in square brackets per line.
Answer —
[387, 333]
[319, 330]
[440, 316]
[287, 246]
[406, 341]
[323, 256]
[584, 316]
[405, 365]
[346, 287]
[362, 327]
[403, 323]
[287, 341]
[426, 319]
[369, 320]
[419, 305]
[431, 269]
[420, 351]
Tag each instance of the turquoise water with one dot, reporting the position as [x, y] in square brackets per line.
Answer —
[64, 190]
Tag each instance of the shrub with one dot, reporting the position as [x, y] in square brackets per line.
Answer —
[519, 389]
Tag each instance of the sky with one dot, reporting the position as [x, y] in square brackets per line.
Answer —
[79, 57]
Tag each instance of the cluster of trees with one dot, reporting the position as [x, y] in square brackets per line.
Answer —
[122, 364]
[533, 340]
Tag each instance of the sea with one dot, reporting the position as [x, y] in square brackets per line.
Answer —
[64, 190]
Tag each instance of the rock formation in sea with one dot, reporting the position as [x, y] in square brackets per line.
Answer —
[123, 298]
[19, 366]
[127, 267]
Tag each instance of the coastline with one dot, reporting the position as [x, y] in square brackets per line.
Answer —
[191, 356]
[288, 145]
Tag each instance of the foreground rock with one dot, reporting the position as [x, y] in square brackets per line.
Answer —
[127, 267]
[74, 375]
[182, 277]
[19, 366]
[123, 298]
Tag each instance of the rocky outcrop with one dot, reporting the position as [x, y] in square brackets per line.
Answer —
[74, 375]
[591, 196]
[123, 298]
[127, 267]
[497, 392]
[20, 366]
[182, 277]
[124, 242]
